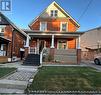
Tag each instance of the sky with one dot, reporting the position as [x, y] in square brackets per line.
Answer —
[24, 11]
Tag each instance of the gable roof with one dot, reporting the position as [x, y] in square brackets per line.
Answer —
[13, 25]
[66, 13]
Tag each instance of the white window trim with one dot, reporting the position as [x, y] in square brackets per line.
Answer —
[54, 13]
[2, 27]
[61, 27]
[66, 44]
[41, 25]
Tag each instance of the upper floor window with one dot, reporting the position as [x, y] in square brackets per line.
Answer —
[54, 13]
[43, 26]
[64, 26]
[2, 29]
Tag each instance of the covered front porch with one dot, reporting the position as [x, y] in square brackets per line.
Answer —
[56, 46]
[4, 45]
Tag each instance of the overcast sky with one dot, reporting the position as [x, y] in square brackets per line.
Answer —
[24, 11]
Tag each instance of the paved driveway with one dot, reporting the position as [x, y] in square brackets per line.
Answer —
[91, 64]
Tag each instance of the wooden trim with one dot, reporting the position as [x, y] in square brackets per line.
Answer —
[67, 15]
[61, 27]
[41, 25]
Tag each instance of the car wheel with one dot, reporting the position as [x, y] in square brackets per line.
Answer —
[97, 61]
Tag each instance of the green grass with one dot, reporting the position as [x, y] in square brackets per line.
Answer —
[66, 79]
[5, 71]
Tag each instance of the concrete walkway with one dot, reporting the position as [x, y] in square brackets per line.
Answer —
[18, 81]
[65, 65]
[91, 64]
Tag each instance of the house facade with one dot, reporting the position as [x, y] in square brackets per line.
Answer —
[12, 39]
[91, 43]
[52, 36]
[55, 30]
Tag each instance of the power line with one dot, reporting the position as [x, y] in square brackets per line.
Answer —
[85, 10]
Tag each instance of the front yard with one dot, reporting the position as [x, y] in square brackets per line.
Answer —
[66, 79]
[5, 71]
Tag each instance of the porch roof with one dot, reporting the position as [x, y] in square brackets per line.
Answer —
[57, 34]
[4, 40]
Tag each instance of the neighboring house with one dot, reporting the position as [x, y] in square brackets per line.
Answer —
[11, 39]
[91, 39]
[91, 43]
[55, 30]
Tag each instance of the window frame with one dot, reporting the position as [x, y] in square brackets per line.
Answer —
[2, 27]
[54, 13]
[41, 26]
[58, 45]
[62, 27]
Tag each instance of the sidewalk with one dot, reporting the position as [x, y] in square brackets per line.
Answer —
[18, 81]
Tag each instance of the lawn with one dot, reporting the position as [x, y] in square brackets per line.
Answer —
[5, 71]
[66, 79]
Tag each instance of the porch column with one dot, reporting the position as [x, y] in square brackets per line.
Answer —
[78, 43]
[52, 42]
[37, 46]
[27, 42]
[27, 48]
[52, 49]
[78, 51]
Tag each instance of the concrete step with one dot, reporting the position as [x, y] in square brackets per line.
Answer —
[13, 84]
[27, 69]
[11, 91]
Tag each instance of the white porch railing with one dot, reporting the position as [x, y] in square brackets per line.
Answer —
[43, 52]
[2, 53]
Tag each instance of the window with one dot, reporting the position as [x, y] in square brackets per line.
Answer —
[54, 13]
[62, 44]
[64, 26]
[43, 26]
[1, 29]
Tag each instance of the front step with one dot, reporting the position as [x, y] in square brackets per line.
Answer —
[12, 84]
[32, 59]
[6, 91]
[27, 69]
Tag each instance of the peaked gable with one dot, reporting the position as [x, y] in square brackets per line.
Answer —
[46, 13]
[3, 21]
[61, 12]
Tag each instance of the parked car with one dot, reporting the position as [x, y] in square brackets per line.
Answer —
[97, 59]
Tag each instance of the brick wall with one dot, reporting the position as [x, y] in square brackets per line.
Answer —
[18, 40]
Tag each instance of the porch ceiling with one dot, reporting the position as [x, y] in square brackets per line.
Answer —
[4, 40]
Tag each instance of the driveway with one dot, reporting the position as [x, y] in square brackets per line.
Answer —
[91, 64]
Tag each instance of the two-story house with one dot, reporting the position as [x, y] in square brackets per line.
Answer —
[55, 30]
[12, 40]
